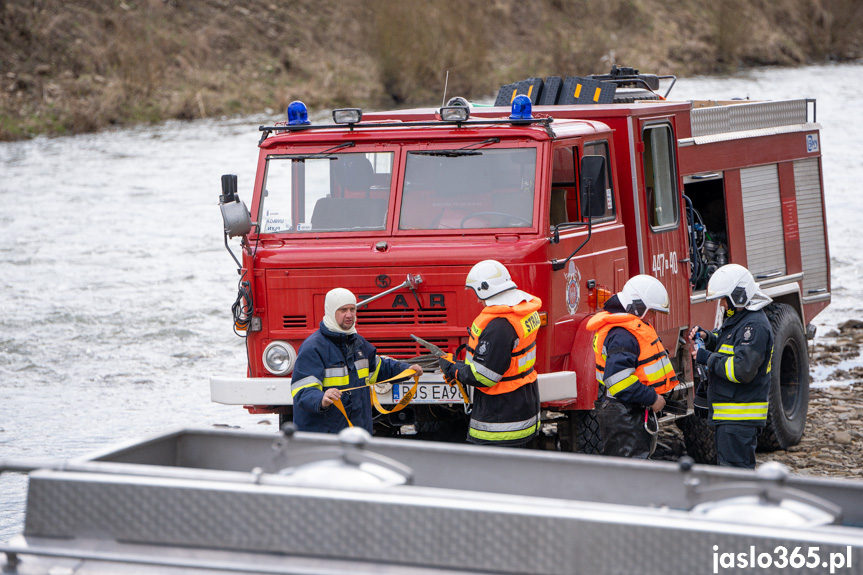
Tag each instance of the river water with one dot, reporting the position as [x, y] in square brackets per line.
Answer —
[115, 286]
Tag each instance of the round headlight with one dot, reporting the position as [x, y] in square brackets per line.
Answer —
[280, 357]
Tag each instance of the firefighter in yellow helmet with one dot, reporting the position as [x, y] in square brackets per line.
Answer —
[632, 367]
[501, 353]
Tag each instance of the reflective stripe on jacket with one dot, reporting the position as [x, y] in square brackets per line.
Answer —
[338, 376]
[740, 411]
[524, 318]
[503, 431]
[653, 369]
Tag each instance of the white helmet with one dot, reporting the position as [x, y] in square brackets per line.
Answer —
[489, 278]
[644, 292]
[734, 282]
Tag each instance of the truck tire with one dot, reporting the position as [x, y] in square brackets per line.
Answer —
[579, 432]
[629, 95]
[698, 438]
[588, 437]
[789, 386]
[447, 431]
[286, 418]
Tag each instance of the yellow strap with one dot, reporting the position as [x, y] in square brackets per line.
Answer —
[461, 391]
[399, 406]
[341, 407]
[448, 357]
[403, 375]
[403, 402]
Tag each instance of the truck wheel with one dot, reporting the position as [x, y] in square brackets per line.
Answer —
[285, 418]
[629, 95]
[579, 432]
[445, 431]
[698, 439]
[789, 386]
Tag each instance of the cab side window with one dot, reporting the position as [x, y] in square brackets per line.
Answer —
[660, 185]
[609, 209]
[564, 202]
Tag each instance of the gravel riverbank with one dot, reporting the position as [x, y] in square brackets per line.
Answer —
[833, 442]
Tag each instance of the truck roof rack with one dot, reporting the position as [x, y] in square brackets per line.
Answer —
[622, 84]
[543, 122]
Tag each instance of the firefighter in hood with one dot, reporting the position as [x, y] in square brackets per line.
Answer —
[737, 357]
[333, 359]
[632, 367]
[501, 353]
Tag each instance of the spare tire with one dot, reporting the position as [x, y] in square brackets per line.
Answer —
[789, 387]
[629, 95]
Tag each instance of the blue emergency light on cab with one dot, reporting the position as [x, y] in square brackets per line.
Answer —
[298, 114]
[521, 108]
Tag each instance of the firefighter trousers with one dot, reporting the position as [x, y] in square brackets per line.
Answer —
[735, 445]
[621, 427]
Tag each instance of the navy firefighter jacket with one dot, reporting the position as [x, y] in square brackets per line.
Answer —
[623, 351]
[331, 359]
[738, 358]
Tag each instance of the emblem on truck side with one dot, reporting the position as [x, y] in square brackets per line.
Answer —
[382, 281]
[573, 287]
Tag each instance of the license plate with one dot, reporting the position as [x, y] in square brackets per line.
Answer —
[429, 393]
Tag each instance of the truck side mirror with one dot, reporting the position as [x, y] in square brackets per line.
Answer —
[592, 202]
[235, 215]
[593, 186]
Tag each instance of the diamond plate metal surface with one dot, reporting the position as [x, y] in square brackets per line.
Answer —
[714, 120]
[398, 526]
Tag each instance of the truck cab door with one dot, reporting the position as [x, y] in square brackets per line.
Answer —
[664, 241]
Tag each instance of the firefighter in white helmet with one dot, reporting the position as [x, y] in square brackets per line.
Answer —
[737, 357]
[632, 367]
[501, 353]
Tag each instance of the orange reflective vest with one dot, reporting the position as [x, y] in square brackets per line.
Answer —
[524, 317]
[654, 368]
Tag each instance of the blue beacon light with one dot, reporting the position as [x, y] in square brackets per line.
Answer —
[521, 108]
[297, 114]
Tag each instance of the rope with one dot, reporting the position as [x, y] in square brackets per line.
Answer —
[399, 406]
[431, 360]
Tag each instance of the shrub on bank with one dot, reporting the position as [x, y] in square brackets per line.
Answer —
[70, 67]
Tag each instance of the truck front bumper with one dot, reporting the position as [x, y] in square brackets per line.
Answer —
[554, 386]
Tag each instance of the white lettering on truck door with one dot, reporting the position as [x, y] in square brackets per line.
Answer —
[663, 263]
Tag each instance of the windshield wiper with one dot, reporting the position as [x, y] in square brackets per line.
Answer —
[325, 155]
[458, 152]
[448, 153]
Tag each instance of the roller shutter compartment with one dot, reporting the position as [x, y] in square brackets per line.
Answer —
[810, 218]
[762, 216]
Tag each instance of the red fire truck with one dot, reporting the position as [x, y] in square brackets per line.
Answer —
[575, 184]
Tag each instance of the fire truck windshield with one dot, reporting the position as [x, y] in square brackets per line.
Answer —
[491, 188]
[327, 193]
[443, 189]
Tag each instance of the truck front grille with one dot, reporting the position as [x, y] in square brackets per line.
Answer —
[404, 348]
[400, 316]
